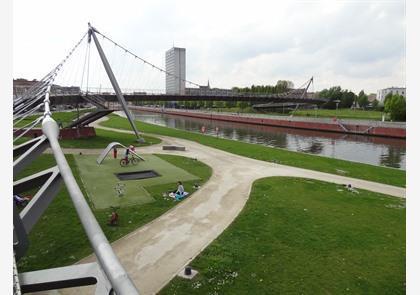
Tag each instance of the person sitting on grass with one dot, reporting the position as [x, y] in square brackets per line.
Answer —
[21, 201]
[113, 221]
[180, 190]
[179, 193]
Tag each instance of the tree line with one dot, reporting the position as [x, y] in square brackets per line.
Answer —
[336, 98]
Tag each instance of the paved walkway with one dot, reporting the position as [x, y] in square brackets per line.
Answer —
[156, 252]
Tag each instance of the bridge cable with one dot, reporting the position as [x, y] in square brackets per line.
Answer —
[146, 62]
[84, 66]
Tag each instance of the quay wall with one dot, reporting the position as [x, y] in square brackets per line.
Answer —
[361, 127]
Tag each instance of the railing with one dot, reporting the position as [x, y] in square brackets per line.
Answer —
[199, 93]
[108, 274]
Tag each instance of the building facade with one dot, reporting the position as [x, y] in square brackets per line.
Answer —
[175, 65]
[207, 91]
[382, 93]
[20, 86]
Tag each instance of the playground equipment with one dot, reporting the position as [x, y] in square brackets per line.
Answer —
[110, 146]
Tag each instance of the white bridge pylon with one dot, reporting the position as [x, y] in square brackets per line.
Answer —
[110, 146]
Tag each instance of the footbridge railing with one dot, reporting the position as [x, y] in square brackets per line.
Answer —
[107, 273]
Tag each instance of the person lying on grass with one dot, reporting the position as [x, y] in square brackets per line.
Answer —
[21, 200]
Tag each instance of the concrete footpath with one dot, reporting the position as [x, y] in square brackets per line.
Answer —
[156, 252]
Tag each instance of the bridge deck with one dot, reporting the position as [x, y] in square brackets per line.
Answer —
[76, 98]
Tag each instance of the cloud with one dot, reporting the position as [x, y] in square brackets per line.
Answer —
[356, 44]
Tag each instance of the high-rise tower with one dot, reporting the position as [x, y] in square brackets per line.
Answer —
[175, 65]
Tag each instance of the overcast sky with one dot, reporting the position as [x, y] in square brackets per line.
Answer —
[354, 44]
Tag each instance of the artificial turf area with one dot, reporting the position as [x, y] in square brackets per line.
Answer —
[385, 175]
[100, 180]
[299, 236]
[58, 238]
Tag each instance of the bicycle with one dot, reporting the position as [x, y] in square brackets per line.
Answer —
[126, 161]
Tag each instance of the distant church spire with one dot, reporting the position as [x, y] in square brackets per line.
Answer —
[208, 83]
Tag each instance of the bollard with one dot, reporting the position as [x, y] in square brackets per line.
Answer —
[187, 271]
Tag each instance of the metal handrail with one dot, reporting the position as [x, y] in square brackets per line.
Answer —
[107, 260]
[118, 277]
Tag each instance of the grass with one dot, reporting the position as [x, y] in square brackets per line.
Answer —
[104, 137]
[289, 241]
[101, 140]
[104, 195]
[385, 175]
[64, 117]
[58, 238]
[341, 113]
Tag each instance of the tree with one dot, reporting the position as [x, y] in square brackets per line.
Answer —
[283, 86]
[395, 106]
[375, 104]
[387, 97]
[242, 104]
[230, 104]
[209, 104]
[362, 99]
[332, 94]
[220, 104]
[347, 99]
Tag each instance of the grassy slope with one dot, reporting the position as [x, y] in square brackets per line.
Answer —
[281, 156]
[341, 113]
[289, 241]
[104, 137]
[64, 117]
[58, 238]
[101, 140]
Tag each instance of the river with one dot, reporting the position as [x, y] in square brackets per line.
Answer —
[373, 150]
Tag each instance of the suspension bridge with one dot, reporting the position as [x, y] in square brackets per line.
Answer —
[113, 74]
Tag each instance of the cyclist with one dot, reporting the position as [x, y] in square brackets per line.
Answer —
[127, 152]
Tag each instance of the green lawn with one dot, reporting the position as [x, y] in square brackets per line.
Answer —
[64, 117]
[282, 156]
[341, 113]
[104, 137]
[101, 140]
[100, 180]
[58, 238]
[298, 236]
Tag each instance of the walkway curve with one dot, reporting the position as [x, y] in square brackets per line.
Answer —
[156, 252]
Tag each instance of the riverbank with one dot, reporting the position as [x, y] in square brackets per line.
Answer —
[182, 233]
[384, 175]
[347, 126]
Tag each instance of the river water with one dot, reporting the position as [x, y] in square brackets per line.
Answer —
[373, 150]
